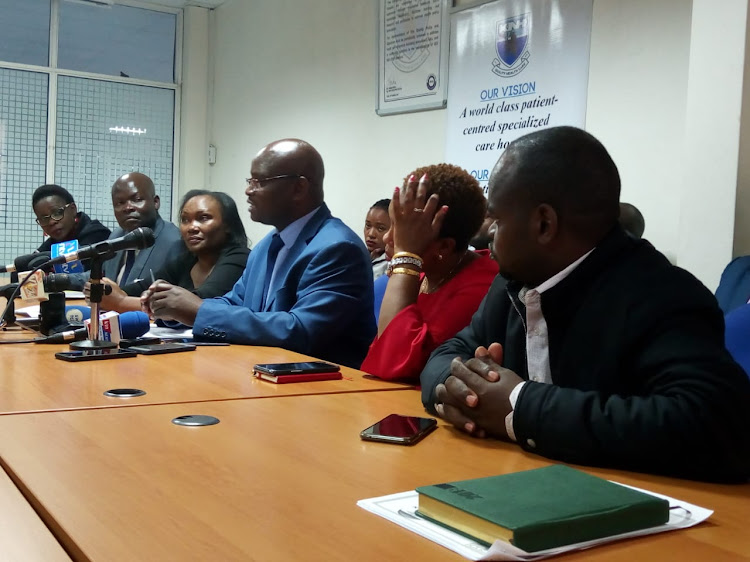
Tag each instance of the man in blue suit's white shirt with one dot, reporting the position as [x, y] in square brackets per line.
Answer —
[307, 285]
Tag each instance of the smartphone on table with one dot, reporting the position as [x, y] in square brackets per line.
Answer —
[398, 429]
[159, 348]
[304, 371]
[94, 354]
[125, 343]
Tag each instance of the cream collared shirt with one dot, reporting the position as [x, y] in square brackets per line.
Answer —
[537, 337]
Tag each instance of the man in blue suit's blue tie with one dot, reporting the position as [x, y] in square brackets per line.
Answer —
[307, 285]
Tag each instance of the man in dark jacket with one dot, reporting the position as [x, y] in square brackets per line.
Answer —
[591, 348]
[136, 205]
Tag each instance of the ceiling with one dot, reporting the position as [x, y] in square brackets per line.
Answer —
[182, 3]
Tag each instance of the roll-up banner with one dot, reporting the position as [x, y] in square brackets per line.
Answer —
[516, 66]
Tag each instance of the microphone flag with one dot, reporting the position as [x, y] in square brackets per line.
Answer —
[62, 248]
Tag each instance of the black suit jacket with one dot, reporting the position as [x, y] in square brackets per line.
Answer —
[228, 268]
[641, 378]
[168, 244]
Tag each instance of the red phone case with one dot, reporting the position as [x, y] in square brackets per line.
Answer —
[298, 377]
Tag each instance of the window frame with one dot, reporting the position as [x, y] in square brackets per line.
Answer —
[54, 73]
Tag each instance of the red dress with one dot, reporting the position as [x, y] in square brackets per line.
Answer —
[402, 350]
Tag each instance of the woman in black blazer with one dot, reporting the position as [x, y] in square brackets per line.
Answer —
[215, 256]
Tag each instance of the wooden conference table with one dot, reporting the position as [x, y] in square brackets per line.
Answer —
[279, 480]
[23, 535]
[32, 380]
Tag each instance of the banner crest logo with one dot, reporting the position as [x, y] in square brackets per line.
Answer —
[511, 45]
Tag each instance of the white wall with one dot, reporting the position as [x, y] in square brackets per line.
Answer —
[308, 69]
[742, 207]
[194, 107]
[712, 137]
[636, 104]
[286, 68]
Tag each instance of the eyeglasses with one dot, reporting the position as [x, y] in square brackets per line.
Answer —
[256, 183]
[54, 216]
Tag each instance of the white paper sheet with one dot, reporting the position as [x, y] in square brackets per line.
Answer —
[159, 332]
[400, 509]
[28, 311]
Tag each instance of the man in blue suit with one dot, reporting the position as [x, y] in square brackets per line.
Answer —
[307, 286]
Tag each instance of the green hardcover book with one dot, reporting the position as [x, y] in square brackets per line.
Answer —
[541, 508]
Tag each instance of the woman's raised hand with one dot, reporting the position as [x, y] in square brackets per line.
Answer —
[416, 220]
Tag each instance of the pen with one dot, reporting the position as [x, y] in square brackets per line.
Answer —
[152, 276]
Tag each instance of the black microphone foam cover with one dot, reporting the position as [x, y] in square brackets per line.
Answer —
[56, 282]
[24, 263]
[142, 236]
[40, 258]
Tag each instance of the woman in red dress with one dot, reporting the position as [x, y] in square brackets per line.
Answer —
[436, 282]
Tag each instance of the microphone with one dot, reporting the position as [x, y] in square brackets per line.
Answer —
[59, 282]
[76, 314]
[139, 238]
[63, 337]
[7, 290]
[39, 259]
[113, 326]
[132, 325]
[24, 263]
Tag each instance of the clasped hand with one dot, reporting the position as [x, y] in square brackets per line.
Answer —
[475, 397]
[416, 219]
[170, 302]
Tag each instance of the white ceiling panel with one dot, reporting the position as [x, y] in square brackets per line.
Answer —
[182, 3]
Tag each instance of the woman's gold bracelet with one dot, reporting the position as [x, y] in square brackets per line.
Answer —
[405, 271]
[407, 255]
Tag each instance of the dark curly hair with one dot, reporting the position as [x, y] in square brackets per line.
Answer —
[49, 190]
[458, 189]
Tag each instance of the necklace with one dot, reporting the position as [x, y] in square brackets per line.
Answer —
[424, 287]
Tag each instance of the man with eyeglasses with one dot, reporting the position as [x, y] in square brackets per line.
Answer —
[61, 221]
[307, 286]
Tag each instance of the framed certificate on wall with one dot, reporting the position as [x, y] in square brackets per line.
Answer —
[412, 55]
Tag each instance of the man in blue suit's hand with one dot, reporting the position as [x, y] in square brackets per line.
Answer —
[307, 285]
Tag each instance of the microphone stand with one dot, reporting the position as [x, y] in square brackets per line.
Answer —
[9, 319]
[95, 297]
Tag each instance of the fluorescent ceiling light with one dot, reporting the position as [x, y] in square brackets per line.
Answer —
[128, 130]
